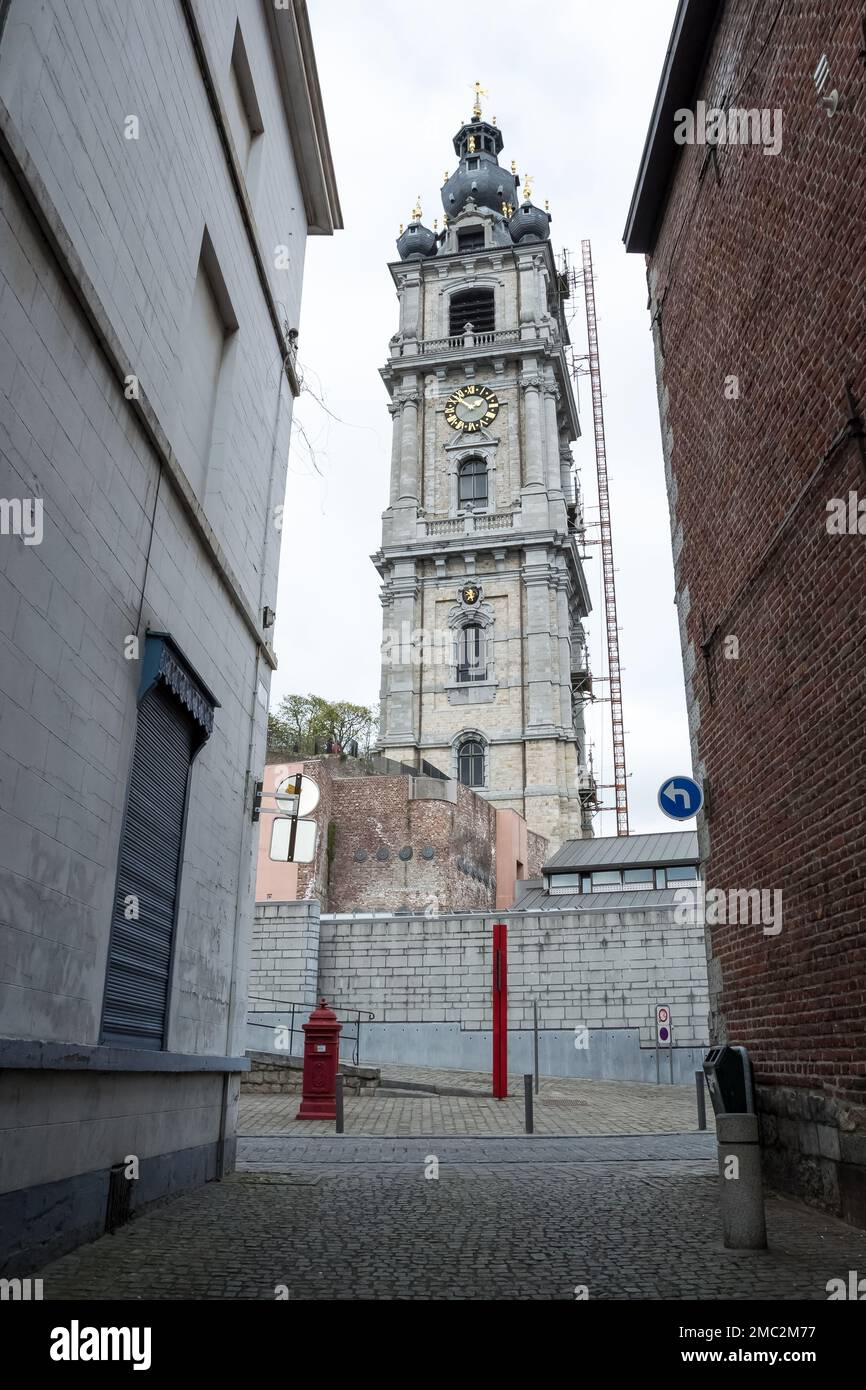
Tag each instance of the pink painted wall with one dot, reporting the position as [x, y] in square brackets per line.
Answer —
[274, 882]
[510, 848]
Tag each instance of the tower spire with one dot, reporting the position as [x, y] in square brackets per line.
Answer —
[479, 93]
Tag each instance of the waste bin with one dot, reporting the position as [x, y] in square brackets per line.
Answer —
[729, 1078]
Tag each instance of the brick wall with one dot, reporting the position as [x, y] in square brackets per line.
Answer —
[377, 817]
[757, 274]
[465, 853]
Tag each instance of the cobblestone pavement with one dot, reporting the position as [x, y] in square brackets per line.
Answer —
[564, 1106]
[531, 1218]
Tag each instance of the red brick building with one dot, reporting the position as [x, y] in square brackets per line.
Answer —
[756, 255]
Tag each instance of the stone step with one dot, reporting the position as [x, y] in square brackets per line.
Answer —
[390, 1087]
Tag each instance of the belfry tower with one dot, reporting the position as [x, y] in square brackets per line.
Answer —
[483, 591]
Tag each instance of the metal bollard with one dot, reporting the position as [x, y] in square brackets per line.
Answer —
[702, 1099]
[338, 1106]
[527, 1101]
[535, 1041]
[742, 1198]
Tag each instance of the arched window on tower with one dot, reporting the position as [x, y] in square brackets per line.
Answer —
[473, 306]
[472, 484]
[470, 763]
[471, 653]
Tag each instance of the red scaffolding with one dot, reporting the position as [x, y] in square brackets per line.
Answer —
[618, 733]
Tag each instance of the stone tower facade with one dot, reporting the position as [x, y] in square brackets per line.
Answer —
[483, 591]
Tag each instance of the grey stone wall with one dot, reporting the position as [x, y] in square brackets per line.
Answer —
[285, 955]
[427, 980]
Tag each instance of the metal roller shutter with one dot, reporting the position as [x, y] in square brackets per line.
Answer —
[136, 994]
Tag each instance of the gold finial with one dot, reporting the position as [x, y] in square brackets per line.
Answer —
[527, 187]
[401, 228]
[493, 120]
[514, 166]
[444, 219]
[416, 211]
[447, 176]
[435, 224]
[472, 144]
[479, 93]
[547, 205]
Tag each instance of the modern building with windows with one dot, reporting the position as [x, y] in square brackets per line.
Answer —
[615, 873]
[151, 262]
[480, 559]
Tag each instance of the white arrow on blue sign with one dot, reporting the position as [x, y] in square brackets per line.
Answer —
[680, 798]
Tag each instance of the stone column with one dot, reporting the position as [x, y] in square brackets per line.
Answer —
[399, 663]
[409, 449]
[540, 676]
[394, 412]
[551, 398]
[563, 633]
[533, 446]
[566, 472]
[410, 311]
[526, 288]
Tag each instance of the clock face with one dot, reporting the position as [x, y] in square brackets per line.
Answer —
[469, 593]
[470, 408]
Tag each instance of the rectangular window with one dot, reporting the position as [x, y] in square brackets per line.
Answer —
[607, 881]
[245, 116]
[205, 358]
[644, 876]
[569, 882]
[472, 484]
[682, 873]
[471, 662]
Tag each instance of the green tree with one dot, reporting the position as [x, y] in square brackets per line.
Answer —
[302, 720]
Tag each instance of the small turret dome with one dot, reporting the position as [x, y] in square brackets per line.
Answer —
[417, 240]
[530, 221]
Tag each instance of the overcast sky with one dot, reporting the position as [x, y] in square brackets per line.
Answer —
[571, 84]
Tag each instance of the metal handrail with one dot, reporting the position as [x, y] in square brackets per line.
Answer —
[356, 1016]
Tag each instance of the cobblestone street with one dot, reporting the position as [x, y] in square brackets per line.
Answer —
[563, 1106]
[508, 1218]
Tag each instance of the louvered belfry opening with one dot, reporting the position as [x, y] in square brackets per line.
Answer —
[475, 307]
[471, 240]
[175, 716]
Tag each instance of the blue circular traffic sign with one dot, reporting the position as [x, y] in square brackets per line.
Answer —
[680, 797]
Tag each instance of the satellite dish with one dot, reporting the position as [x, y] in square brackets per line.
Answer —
[281, 838]
[292, 805]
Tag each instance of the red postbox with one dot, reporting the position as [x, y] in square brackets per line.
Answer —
[321, 1058]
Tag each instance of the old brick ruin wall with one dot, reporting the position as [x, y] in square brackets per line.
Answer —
[397, 842]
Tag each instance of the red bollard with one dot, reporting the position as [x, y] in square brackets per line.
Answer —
[321, 1058]
[500, 1011]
